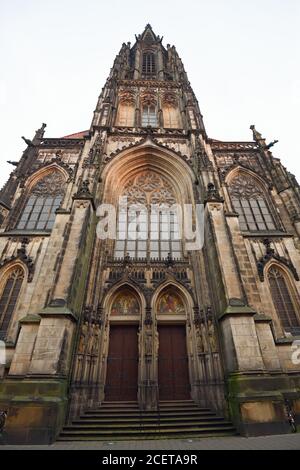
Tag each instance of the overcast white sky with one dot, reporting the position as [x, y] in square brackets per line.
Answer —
[242, 58]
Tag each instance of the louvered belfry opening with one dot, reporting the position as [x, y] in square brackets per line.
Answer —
[149, 65]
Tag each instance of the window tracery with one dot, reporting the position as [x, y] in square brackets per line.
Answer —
[250, 202]
[283, 299]
[8, 298]
[156, 233]
[45, 197]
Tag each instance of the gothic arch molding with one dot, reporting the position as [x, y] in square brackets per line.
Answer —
[20, 260]
[156, 144]
[130, 162]
[10, 265]
[283, 265]
[263, 265]
[240, 170]
[110, 296]
[12, 277]
[39, 174]
[177, 287]
[284, 294]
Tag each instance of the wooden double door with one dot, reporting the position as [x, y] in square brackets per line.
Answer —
[122, 363]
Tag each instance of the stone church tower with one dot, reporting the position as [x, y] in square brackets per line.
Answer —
[89, 320]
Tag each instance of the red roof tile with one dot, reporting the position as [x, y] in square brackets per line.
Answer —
[77, 135]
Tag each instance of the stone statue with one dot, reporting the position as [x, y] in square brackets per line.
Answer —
[83, 337]
[212, 336]
[156, 343]
[204, 337]
[91, 338]
[199, 340]
[256, 135]
[94, 340]
[148, 342]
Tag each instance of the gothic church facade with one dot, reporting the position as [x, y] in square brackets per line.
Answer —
[145, 319]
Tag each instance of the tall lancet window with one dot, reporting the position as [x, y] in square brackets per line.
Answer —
[9, 294]
[149, 108]
[251, 203]
[149, 65]
[282, 296]
[126, 109]
[148, 227]
[44, 198]
[170, 110]
[149, 117]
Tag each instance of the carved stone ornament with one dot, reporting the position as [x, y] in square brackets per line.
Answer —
[148, 98]
[22, 256]
[257, 137]
[83, 191]
[212, 194]
[127, 96]
[270, 254]
[169, 98]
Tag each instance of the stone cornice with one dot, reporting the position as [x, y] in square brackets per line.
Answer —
[149, 83]
[60, 142]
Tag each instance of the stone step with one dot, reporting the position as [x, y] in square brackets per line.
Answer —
[146, 414]
[170, 404]
[142, 437]
[156, 431]
[121, 421]
[155, 418]
[143, 425]
[191, 409]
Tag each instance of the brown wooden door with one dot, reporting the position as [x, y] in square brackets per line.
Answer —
[122, 363]
[173, 375]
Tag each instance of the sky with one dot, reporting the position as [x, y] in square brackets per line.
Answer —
[242, 59]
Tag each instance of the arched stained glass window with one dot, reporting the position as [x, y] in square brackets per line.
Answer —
[45, 197]
[147, 227]
[9, 297]
[283, 299]
[250, 202]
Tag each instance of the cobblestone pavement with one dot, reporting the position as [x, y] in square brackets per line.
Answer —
[282, 442]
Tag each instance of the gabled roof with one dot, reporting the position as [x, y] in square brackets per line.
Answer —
[148, 34]
[77, 135]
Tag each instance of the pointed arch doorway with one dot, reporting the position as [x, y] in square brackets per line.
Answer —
[123, 352]
[173, 368]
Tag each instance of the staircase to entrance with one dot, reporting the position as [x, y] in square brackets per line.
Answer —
[116, 420]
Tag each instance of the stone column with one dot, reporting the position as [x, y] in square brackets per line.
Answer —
[137, 65]
[160, 65]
